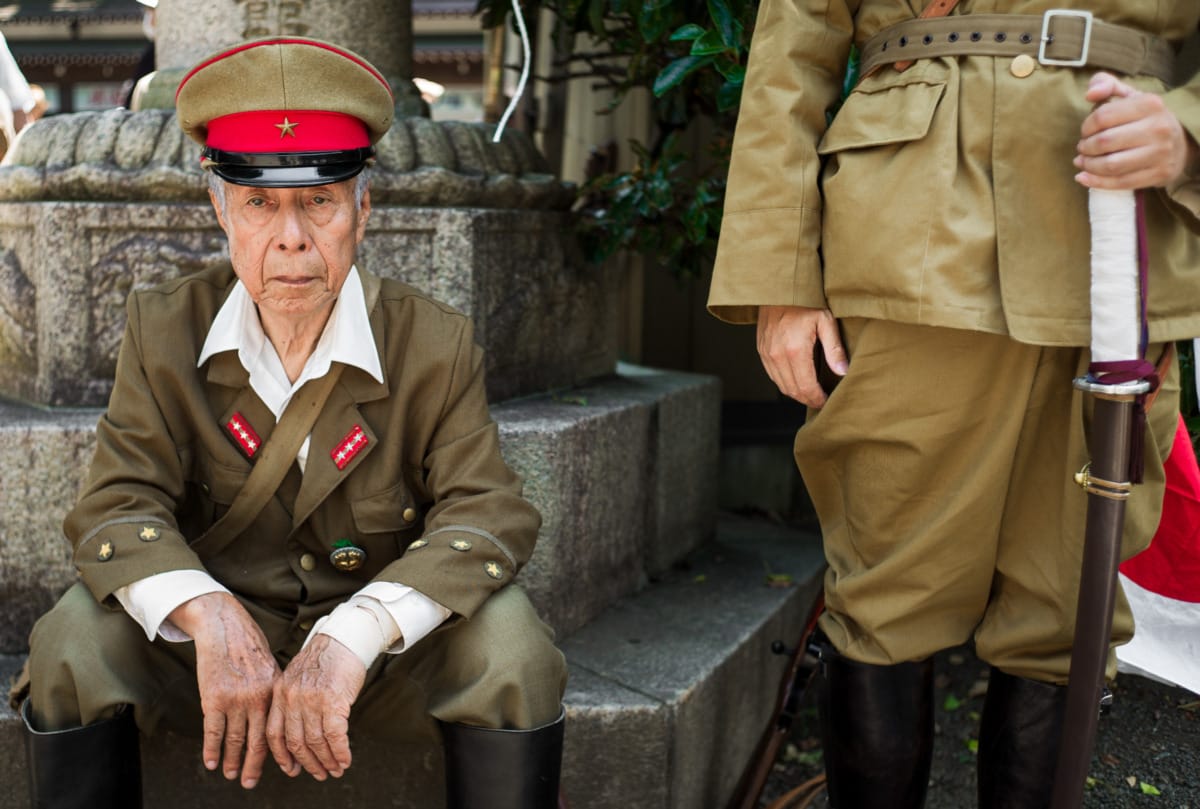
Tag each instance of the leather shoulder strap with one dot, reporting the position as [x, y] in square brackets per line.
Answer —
[276, 456]
[274, 460]
[936, 8]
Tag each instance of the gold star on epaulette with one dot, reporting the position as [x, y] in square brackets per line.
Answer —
[287, 127]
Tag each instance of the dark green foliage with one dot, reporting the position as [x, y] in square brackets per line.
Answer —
[691, 54]
[661, 209]
[1188, 404]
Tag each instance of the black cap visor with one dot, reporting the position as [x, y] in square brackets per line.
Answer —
[287, 169]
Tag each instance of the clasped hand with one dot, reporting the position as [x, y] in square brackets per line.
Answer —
[1131, 139]
[300, 714]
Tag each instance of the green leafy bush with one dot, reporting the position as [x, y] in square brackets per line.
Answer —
[691, 55]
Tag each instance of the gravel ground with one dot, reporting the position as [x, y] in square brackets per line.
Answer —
[1147, 748]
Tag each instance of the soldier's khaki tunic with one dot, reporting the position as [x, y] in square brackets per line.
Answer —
[429, 499]
[938, 214]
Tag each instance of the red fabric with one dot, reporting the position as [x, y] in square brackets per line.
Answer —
[1171, 565]
[273, 131]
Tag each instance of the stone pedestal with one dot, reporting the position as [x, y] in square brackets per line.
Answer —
[543, 317]
[188, 31]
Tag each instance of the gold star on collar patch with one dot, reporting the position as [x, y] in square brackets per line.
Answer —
[287, 127]
[494, 570]
[148, 534]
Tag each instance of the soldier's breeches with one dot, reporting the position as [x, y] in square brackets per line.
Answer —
[500, 669]
[942, 472]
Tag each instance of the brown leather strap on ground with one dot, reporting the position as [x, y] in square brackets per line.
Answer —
[1110, 47]
[937, 8]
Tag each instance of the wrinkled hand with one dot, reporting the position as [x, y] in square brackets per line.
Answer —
[310, 712]
[236, 674]
[786, 336]
[1131, 140]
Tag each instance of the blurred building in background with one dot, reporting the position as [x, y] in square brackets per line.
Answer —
[84, 53]
[448, 46]
[80, 51]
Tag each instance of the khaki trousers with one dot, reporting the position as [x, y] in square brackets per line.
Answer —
[498, 670]
[941, 469]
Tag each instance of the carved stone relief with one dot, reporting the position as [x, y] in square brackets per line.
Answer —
[142, 260]
[120, 155]
[18, 322]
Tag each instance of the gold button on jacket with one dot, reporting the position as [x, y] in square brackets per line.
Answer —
[1022, 65]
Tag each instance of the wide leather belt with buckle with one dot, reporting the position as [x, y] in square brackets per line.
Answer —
[1060, 37]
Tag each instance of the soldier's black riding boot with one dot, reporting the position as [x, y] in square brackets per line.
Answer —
[503, 769]
[877, 732]
[93, 767]
[1018, 742]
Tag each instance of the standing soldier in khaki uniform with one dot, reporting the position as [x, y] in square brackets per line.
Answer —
[298, 473]
[930, 246]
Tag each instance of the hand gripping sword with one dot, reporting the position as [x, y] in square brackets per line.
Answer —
[1116, 378]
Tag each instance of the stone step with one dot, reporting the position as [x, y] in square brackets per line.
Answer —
[669, 691]
[623, 470]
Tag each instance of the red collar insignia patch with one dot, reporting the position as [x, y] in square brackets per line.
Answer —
[244, 434]
[350, 446]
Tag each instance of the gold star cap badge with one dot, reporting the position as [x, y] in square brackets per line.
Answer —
[287, 127]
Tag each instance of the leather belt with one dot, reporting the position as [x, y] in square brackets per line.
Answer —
[1060, 38]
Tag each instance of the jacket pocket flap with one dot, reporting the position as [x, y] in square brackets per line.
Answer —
[894, 114]
[390, 510]
[221, 483]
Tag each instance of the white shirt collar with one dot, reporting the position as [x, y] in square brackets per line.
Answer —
[347, 339]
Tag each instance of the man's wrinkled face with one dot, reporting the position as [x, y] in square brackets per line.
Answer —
[292, 248]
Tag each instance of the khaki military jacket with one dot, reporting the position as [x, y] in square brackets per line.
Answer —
[167, 466]
[942, 195]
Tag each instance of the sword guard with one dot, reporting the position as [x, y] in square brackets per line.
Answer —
[1113, 490]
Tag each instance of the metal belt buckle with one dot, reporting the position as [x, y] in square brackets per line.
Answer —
[1086, 16]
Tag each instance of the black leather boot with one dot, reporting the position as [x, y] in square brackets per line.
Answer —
[503, 769]
[877, 732]
[1018, 742]
[93, 767]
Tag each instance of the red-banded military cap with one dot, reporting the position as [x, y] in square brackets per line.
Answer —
[285, 111]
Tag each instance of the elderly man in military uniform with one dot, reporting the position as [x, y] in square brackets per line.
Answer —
[928, 244]
[297, 527]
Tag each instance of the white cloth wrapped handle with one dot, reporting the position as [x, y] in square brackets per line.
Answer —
[1116, 291]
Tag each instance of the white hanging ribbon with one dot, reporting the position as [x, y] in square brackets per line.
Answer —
[525, 57]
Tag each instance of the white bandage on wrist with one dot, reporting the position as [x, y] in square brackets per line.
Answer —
[358, 627]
